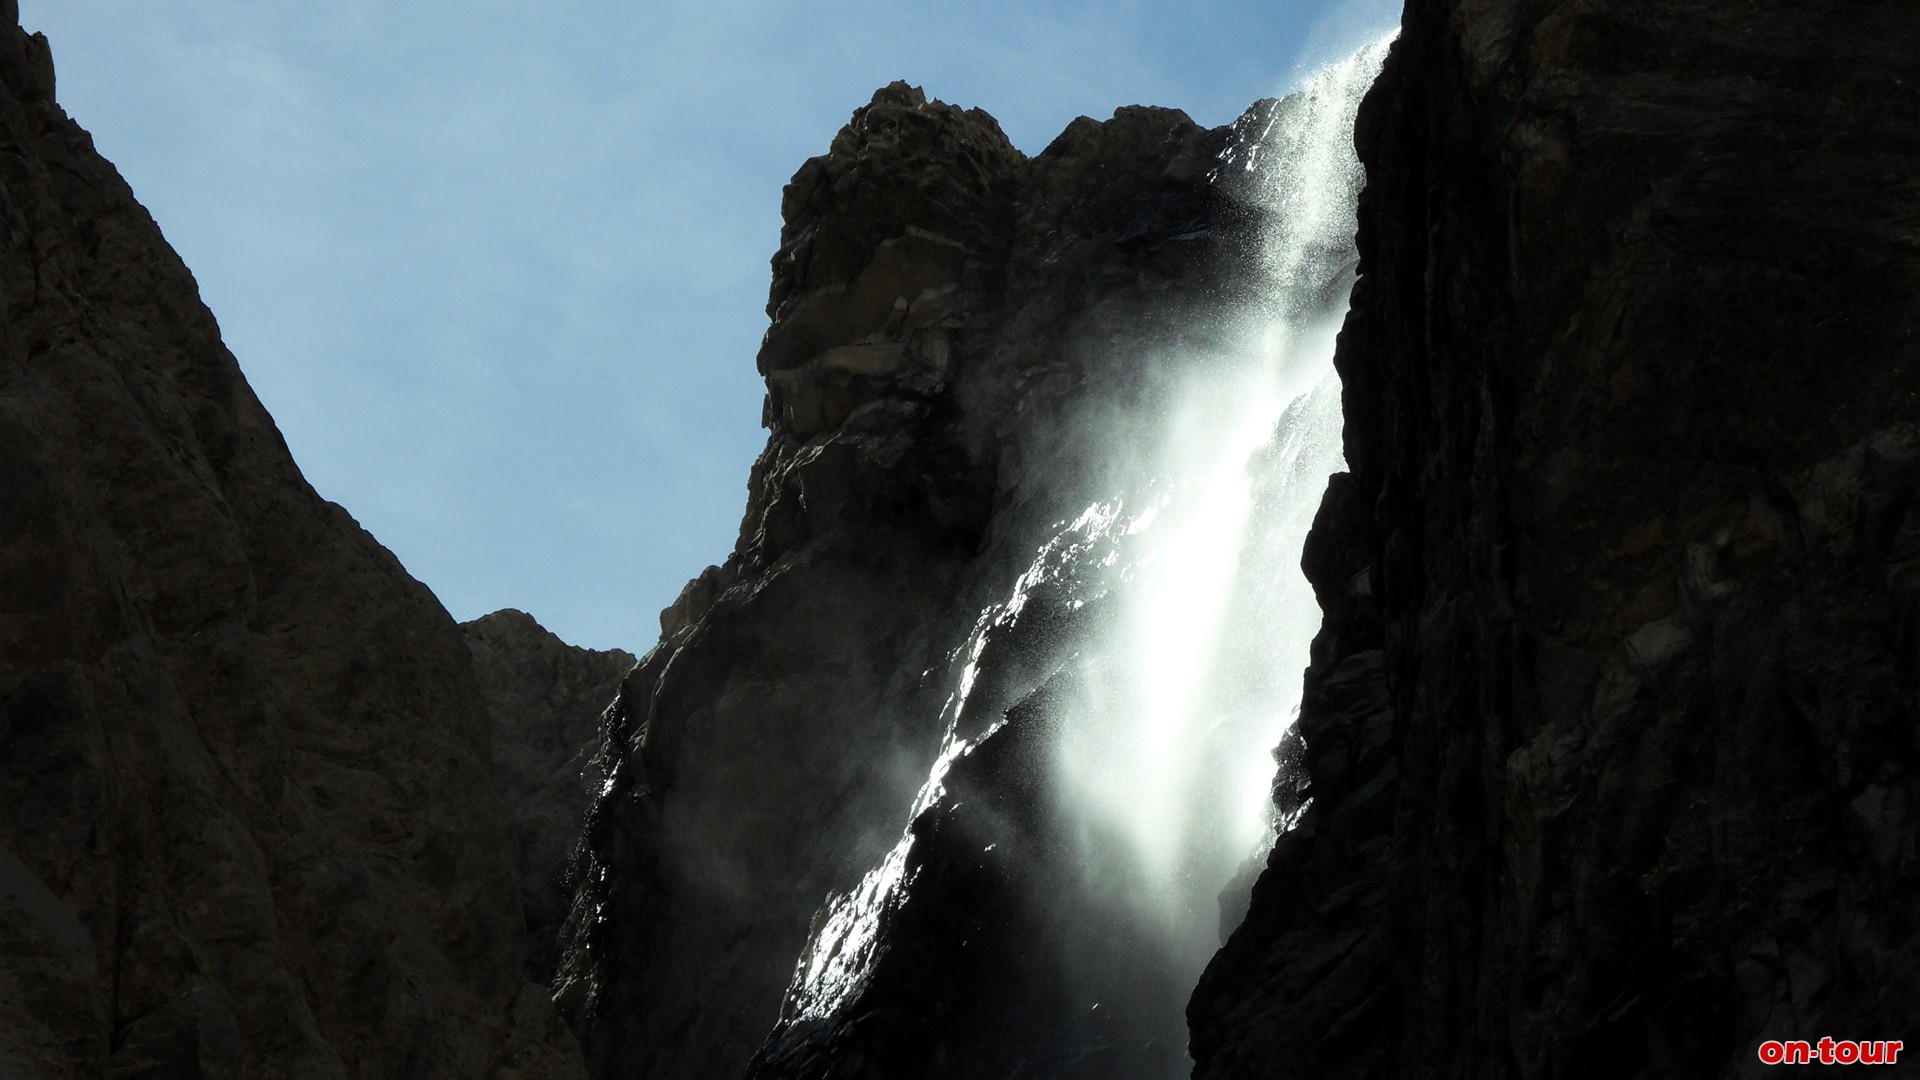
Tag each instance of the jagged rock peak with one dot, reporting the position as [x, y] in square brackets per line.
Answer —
[28, 63]
[513, 626]
[939, 303]
[902, 161]
[897, 92]
[894, 244]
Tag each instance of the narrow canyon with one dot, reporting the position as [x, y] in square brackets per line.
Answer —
[1420, 581]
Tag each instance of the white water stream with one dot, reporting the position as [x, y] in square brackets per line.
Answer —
[1171, 753]
[1190, 676]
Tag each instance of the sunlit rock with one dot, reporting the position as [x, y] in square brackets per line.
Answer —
[951, 770]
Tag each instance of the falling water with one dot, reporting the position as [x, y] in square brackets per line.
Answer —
[1191, 621]
[1169, 750]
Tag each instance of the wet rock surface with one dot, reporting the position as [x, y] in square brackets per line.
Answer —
[1610, 732]
[546, 698]
[248, 820]
[941, 304]
[1609, 759]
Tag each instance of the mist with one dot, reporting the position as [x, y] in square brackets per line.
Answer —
[1110, 720]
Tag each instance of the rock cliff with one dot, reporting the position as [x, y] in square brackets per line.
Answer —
[1608, 742]
[1611, 728]
[546, 698]
[248, 822]
[950, 321]
[1608, 756]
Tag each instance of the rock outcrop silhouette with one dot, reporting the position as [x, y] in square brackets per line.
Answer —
[248, 820]
[949, 316]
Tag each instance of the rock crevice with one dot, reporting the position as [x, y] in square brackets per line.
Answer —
[1610, 728]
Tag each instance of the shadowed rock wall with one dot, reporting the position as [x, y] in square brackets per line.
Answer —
[248, 823]
[1611, 729]
[546, 698]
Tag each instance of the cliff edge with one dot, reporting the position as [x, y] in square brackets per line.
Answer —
[248, 821]
[959, 335]
[1610, 729]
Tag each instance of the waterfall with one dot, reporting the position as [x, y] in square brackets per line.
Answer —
[1170, 750]
[1151, 651]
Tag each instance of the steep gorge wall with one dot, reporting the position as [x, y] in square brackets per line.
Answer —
[1610, 732]
[248, 822]
[546, 699]
[1611, 728]
[942, 306]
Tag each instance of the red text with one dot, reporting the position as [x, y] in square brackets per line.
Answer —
[1830, 1051]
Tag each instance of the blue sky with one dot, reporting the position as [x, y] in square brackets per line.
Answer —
[499, 270]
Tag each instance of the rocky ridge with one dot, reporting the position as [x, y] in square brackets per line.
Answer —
[950, 320]
[248, 822]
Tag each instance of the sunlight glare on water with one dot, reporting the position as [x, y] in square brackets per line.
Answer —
[1170, 752]
[1188, 677]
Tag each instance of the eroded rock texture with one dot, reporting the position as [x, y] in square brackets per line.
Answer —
[546, 698]
[1611, 729]
[941, 304]
[248, 824]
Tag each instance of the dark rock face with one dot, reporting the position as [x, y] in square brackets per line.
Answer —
[748, 735]
[940, 305]
[1611, 729]
[1609, 759]
[546, 698]
[248, 824]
